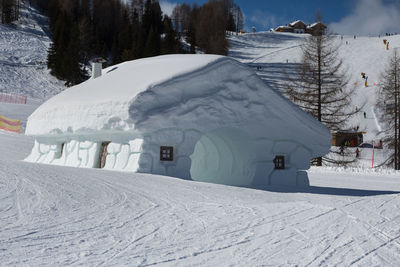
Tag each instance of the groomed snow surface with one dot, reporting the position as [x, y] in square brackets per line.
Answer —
[56, 216]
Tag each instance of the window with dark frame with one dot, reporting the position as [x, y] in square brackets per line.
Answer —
[279, 162]
[166, 153]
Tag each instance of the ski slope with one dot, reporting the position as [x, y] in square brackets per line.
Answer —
[56, 216]
[23, 57]
[274, 56]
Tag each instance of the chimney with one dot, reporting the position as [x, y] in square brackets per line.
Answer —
[97, 65]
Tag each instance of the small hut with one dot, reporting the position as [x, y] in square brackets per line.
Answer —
[298, 26]
[317, 28]
[347, 138]
[284, 29]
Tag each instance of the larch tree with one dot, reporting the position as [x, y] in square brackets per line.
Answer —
[388, 109]
[319, 85]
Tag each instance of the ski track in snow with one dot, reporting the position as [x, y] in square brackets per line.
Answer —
[56, 216]
[52, 215]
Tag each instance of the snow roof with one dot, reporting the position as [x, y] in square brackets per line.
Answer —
[201, 92]
[296, 22]
[317, 23]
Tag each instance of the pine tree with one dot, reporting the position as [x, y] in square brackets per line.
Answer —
[388, 109]
[319, 86]
[75, 73]
[170, 44]
[152, 47]
[125, 36]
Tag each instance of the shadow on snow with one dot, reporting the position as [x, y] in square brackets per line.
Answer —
[327, 191]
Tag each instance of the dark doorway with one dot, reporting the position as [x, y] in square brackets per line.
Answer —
[103, 155]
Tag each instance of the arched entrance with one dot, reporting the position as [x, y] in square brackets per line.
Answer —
[224, 156]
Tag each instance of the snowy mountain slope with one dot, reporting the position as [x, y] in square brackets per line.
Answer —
[51, 215]
[23, 55]
[273, 55]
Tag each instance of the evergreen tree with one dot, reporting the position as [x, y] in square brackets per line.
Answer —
[64, 59]
[119, 30]
[170, 44]
[74, 73]
[125, 35]
[85, 40]
[388, 109]
[152, 47]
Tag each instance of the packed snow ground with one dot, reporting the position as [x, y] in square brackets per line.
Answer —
[52, 215]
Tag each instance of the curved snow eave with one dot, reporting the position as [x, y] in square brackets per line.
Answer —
[94, 136]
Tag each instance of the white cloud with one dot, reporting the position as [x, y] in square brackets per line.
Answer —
[264, 19]
[167, 7]
[370, 17]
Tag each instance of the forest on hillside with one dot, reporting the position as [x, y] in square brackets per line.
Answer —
[120, 30]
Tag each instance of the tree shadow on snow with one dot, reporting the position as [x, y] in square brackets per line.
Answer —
[275, 75]
[327, 191]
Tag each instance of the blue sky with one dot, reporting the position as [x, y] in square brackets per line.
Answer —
[363, 17]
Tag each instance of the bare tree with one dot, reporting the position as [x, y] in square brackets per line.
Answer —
[211, 25]
[320, 84]
[238, 18]
[388, 108]
[181, 18]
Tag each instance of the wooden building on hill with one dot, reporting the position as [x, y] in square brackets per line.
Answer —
[298, 26]
[284, 29]
[347, 138]
[317, 28]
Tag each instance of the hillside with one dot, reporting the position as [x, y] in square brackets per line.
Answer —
[23, 68]
[272, 55]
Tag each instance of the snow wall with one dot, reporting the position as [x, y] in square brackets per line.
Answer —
[224, 156]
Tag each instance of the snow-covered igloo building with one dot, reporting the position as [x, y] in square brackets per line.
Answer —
[202, 117]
